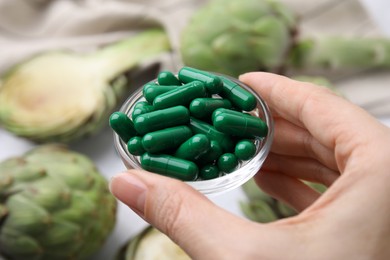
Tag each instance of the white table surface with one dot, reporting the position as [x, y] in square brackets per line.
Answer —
[101, 150]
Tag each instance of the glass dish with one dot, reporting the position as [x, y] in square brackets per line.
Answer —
[245, 170]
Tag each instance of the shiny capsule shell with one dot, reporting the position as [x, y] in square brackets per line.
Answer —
[200, 127]
[166, 139]
[134, 146]
[212, 154]
[170, 166]
[122, 125]
[151, 91]
[167, 78]
[140, 108]
[212, 82]
[227, 162]
[180, 96]
[160, 119]
[204, 107]
[193, 147]
[240, 97]
[245, 149]
[230, 111]
[240, 125]
[209, 172]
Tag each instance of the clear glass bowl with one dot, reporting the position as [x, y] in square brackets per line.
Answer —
[245, 170]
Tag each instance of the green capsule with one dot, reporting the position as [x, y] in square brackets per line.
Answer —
[245, 149]
[212, 154]
[151, 91]
[209, 172]
[204, 107]
[240, 97]
[227, 162]
[161, 119]
[230, 111]
[122, 125]
[212, 82]
[170, 166]
[167, 78]
[200, 127]
[166, 139]
[240, 125]
[134, 146]
[193, 147]
[140, 108]
[180, 96]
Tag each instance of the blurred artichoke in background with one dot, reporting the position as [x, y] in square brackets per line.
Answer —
[261, 207]
[54, 204]
[234, 37]
[63, 96]
[151, 244]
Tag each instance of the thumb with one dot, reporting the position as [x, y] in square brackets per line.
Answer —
[185, 215]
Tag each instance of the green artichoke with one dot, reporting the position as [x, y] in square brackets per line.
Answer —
[63, 96]
[261, 207]
[54, 204]
[151, 244]
[233, 37]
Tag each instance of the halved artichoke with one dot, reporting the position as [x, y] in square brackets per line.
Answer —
[151, 244]
[54, 204]
[62, 96]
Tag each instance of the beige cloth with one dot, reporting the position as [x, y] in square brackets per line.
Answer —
[31, 26]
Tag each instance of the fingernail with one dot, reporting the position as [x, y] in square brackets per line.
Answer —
[130, 190]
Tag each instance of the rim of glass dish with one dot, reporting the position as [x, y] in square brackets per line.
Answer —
[223, 183]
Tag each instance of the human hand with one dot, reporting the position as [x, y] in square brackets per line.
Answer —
[319, 137]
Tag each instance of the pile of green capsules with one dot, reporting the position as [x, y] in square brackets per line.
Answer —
[191, 127]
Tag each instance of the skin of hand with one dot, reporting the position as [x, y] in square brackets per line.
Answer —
[319, 137]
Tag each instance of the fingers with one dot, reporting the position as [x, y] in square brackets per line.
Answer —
[330, 119]
[178, 211]
[300, 168]
[292, 140]
[286, 189]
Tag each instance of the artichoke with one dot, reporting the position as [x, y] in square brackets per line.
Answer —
[261, 207]
[151, 244]
[233, 37]
[62, 96]
[54, 204]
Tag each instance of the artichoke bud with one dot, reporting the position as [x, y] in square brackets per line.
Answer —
[25, 216]
[240, 28]
[58, 215]
[30, 173]
[81, 206]
[60, 234]
[18, 245]
[48, 195]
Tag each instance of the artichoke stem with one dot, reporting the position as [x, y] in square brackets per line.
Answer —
[118, 58]
[341, 53]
